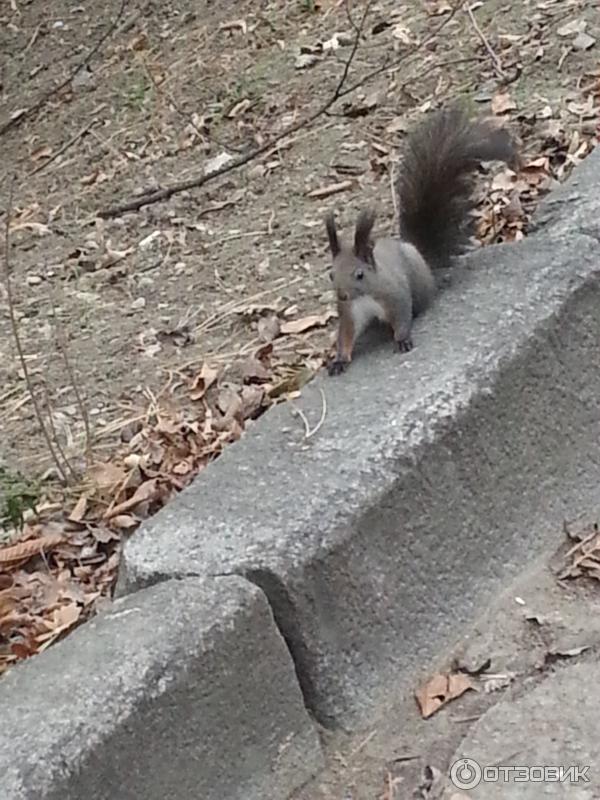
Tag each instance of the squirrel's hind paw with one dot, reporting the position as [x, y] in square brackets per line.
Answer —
[405, 345]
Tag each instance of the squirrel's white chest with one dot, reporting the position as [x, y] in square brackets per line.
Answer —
[364, 310]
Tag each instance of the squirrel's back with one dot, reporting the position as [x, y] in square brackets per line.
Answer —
[435, 184]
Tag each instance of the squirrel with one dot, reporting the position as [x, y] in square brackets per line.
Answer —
[390, 278]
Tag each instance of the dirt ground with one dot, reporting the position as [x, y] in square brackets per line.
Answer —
[153, 336]
[176, 84]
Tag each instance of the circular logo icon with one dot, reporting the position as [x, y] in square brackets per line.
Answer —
[465, 773]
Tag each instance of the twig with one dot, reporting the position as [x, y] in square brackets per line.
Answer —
[61, 345]
[17, 120]
[55, 437]
[358, 30]
[494, 58]
[65, 147]
[195, 183]
[308, 432]
[394, 194]
[17, 338]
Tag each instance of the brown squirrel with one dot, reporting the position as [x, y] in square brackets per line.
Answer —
[393, 279]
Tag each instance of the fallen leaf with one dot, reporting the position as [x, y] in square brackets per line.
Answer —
[306, 323]
[106, 475]
[440, 690]
[252, 400]
[78, 512]
[147, 491]
[124, 521]
[254, 371]
[502, 103]
[32, 547]
[41, 152]
[291, 383]
[203, 381]
[572, 28]
[269, 328]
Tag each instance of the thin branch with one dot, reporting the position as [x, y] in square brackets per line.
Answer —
[61, 345]
[195, 183]
[55, 436]
[357, 38]
[17, 120]
[64, 148]
[494, 58]
[17, 338]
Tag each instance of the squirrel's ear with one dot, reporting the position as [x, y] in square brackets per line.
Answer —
[363, 245]
[334, 243]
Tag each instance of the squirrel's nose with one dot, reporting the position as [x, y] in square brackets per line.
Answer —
[343, 296]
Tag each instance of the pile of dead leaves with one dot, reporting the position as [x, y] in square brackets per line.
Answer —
[513, 196]
[583, 559]
[62, 565]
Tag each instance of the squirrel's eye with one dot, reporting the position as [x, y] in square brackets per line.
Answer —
[330, 275]
[359, 274]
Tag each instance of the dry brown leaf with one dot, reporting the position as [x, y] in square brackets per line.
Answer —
[32, 547]
[78, 512]
[144, 493]
[441, 689]
[41, 152]
[269, 328]
[254, 371]
[124, 521]
[502, 103]
[252, 400]
[106, 475]
[306, 323]
[203, 381]
[229, 401]
[63, 618]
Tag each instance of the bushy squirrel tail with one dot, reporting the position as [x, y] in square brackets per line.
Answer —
[436, 180]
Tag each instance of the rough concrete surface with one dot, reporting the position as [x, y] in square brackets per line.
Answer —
[554, 725]
[377, 539]
[534, 630]
[185, 690]
[575, 205]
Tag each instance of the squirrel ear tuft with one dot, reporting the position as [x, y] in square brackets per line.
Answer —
[363, 245]
[334, 243]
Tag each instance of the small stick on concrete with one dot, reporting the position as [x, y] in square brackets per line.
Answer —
[308, 432]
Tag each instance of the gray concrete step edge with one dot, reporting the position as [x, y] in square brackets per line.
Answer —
[433, 478]
[184, 690]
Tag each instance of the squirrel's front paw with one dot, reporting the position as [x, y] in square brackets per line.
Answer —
[336, 367]
[405, 345]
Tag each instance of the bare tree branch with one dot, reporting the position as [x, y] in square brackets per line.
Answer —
[341, 91]
[17, 120]
[17, 338]
[494, 58]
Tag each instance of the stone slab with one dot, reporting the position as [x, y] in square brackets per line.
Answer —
[434, 476]
[554, 727]
[184, 690]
